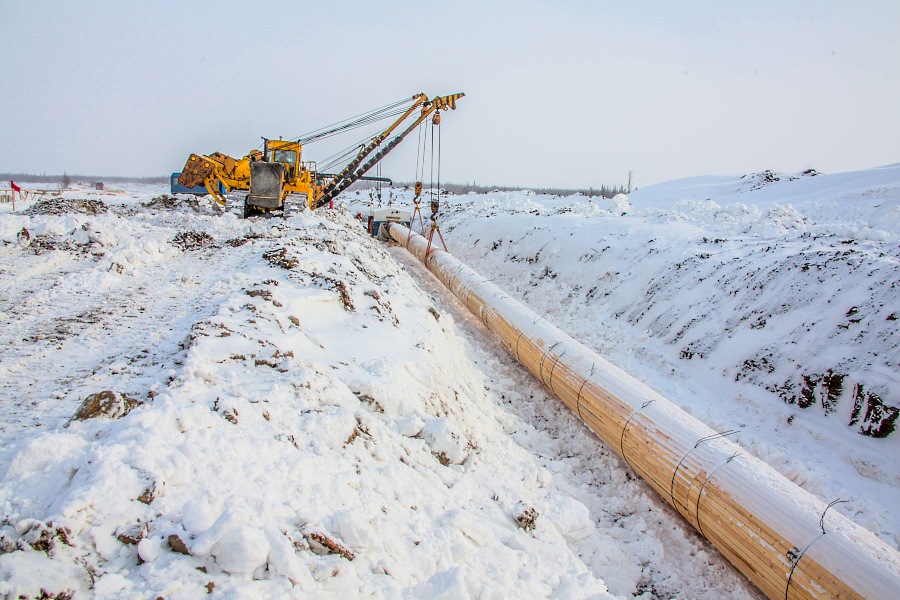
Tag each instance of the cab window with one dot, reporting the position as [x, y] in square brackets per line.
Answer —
[285, 156]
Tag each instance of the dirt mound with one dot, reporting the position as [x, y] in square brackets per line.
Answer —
[62, 206]
[238, 242]
[38, 244]
[279, 257]
[193, 240]
[166, 202]
[757, 181]
[43, 243]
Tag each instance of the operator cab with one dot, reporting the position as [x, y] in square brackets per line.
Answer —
[286, 153]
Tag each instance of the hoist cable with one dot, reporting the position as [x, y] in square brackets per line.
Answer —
[424, 150]
[439, 161]
[418, 150]
[354, 117]
[431, 182]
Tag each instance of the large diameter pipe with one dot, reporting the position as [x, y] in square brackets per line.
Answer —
[783, 539]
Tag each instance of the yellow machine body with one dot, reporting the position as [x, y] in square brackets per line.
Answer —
[235, 174]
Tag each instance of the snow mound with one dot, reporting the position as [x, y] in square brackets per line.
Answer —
[306, 425]
[618, 204]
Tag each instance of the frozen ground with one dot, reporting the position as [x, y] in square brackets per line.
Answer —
[315, 416]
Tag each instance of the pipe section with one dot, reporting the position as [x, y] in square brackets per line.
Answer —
[783, 539]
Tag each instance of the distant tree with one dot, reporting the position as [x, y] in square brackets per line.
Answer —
[66, 181]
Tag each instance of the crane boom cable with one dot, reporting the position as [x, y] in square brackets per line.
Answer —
[339, 156]
[355, 168]
[354, 125]
[361, 116]
[339, 159]
[342, 151]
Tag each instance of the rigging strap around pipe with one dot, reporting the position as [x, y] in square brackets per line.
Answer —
[702, 487]
[624, 429]
[558, 358]
[678, 466]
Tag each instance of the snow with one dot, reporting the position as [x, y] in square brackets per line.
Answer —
[278, 404]
[308, 395]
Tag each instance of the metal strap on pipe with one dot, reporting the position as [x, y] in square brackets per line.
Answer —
[751, 513]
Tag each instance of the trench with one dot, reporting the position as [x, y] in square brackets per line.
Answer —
[784, 540]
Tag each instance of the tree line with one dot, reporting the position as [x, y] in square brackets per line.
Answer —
[464, 188]
[65, 179]
[604, 191]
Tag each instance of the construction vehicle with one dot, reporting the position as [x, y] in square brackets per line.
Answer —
[377, 218]
[269, 176]
[273, 174]
[177, 188]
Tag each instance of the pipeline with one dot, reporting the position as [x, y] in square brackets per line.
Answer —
[782, 538]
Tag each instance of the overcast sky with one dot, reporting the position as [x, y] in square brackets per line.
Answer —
[563, 93]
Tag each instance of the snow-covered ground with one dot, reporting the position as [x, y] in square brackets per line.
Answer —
[300, 402]
[309, 413]
[766, 303]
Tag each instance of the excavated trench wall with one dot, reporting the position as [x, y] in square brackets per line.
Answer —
[787, 542]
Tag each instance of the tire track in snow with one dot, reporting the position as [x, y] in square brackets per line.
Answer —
[125, 333]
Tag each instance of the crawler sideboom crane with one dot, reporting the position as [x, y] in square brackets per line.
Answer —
[272, 174]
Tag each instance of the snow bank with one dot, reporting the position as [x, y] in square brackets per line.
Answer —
[309, 424]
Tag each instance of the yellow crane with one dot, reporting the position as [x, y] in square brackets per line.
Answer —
[272, 174]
